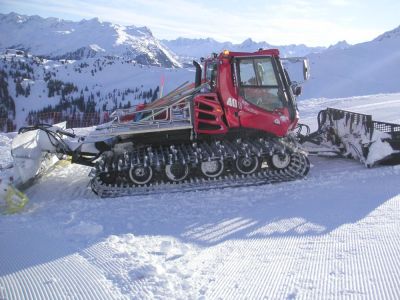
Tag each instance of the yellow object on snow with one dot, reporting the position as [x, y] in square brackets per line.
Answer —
[15, 200]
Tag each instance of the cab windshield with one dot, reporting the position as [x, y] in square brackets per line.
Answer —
[259, 83]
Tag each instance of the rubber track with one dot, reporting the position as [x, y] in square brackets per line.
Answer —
[298, 168]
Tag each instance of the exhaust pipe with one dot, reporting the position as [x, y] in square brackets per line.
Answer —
[197, 80]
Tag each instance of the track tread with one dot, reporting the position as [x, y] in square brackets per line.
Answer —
[194, 154]
[200, 184]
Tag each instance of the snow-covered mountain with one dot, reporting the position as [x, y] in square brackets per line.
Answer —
[339, 45]
[367, 68]
[90, 67]
[55, 38]
[187, 49]
[341, 70]
[52, 69]
[389, 35]
[34, 89]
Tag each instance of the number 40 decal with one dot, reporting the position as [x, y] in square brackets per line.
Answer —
[232, 102]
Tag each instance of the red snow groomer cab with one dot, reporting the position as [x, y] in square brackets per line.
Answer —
[247, 92]
[232, 126]
[234, 122]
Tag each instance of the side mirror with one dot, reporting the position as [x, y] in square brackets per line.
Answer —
[306, 69]
[296, 90]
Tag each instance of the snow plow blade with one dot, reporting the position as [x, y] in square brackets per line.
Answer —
[355, 135]
[34, 150]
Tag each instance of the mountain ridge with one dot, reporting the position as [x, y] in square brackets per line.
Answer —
[201, 47]
[89, 75]
[55, 38]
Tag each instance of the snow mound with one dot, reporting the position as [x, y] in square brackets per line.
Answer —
[149, 266]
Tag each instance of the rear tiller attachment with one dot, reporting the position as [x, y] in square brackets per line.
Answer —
[354, 135]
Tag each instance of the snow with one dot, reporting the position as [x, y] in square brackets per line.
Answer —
[107, 83]
[379, 149]
[333, 235]
[5, 151]
[110, 59]
[60, 38]
[188, 49]
[363, 69]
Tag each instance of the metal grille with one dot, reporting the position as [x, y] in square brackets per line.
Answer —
[393, 129]
[352, 118]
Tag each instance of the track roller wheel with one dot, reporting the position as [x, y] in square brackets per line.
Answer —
[280, 161]
[108, 177]
[212, 168]
[247, 165]
[140, 174]
[176, 171]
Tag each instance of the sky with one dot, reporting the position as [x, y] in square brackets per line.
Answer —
[310, 22]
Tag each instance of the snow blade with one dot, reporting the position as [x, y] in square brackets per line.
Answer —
[357, 136]
[34, 150]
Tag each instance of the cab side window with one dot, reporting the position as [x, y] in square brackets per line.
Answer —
[247, 75]
[211, 73]
[266, 72]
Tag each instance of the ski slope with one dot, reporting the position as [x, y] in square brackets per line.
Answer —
[333, 235]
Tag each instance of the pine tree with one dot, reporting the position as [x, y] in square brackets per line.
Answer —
[19, 90]
[28, 90]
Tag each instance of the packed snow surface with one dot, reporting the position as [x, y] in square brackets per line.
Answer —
[333, 235]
